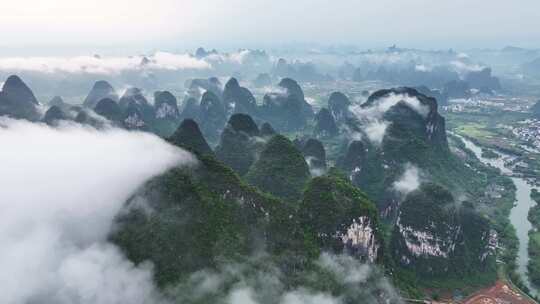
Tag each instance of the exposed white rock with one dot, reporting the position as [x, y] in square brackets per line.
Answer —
[133, 121]
[425, 243]
[492, 243]
[165, 110]
[360, 237]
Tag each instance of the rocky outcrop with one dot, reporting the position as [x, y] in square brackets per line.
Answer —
[340, 218]
[314, 153]
[57, 101]
[442, 100]
[15, 89]
[55, 114]
[197, 87]
[133, 99]
[295, 91]
[101, 89]
[281, 169]
[338, 105]
[325, 125]
[239, 143]
[432, 234]
[238, 99]
[189, 136]
[354, 159]
[165, 106]
[191, 109]
[133, 118]
[17, 100]
[286, 108]
[414, 114]
[212, 116]
[109, 109]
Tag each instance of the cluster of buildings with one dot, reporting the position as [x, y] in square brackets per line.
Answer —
[528, 131]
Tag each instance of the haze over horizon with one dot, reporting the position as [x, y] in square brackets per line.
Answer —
[47, 27]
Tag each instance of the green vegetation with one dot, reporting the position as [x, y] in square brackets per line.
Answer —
[189, 136]
[238, 146]
[280, 170]
[533, 266]
[331, 204]
[205, 220]
[488, 153]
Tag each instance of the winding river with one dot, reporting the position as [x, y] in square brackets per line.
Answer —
[518, 215]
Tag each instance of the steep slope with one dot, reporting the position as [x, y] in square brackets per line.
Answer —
[193, 218]
[53, 115]
[167, 113]
[165, 106]
[109, 109]
[15, 89]
[133, 101]
[238, 99]
[398, 127]
[239, 143]
[433, 237]
[17, 100]
[189, 136]
[286, 108]
[212, 116]
[338, 105]
[340, 218]
[133, 118]
[281, 169]
[325, 124]
[314, 153]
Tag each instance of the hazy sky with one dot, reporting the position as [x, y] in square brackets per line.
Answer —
[34, 26]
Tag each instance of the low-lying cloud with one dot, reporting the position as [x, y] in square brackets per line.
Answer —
[260, 281]
[102, 65]
[409, 181]
[61, 188]
[372, 120]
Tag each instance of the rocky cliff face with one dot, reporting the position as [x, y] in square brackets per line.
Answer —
[133, 119]
[133, 99]
[432, 234]
[338, 104]
[165, 106]
[238, 99]
[361, 240]
[340, 218]
[394, 128]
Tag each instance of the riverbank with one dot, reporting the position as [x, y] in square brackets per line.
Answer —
[518, 216]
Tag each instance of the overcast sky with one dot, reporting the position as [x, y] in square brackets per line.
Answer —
[35, 26]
